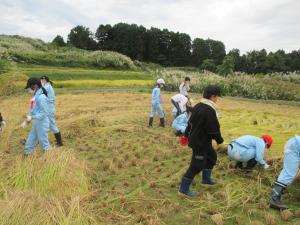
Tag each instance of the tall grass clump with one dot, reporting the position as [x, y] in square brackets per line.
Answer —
[56, 173]
[52, 188]
[12, 83]
[26, 207]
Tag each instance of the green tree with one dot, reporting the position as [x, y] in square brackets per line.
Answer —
[238, 61]
[216, 51]
[128, 39]
[293, 61]
[158, 46]
[208, 64]
[103, 36]
[82, 37]
[200, 51]
[180, 49]
[256, 61]
[151, 44]
[59, 41]
[227, 67]
[277, 62]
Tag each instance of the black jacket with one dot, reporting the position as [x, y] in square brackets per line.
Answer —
[203, 126]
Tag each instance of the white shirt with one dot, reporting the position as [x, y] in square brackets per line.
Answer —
[184, 88]
[182, 100]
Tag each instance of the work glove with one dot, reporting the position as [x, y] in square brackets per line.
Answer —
[266, 166]
[2, 125]
[28, 118]
[24, 124]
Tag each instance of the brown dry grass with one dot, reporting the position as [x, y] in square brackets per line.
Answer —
[132, 172]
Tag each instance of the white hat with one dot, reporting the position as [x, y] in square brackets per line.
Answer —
[161, 81]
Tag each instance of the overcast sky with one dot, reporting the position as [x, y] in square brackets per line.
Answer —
[243, 24]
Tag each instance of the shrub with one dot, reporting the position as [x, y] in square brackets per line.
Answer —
[269, 87]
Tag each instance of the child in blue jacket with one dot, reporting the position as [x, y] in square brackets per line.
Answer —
[156, 103]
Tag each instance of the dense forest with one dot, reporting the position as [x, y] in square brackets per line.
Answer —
[169, 48]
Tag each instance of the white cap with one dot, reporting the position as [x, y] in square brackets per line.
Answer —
[161, 81]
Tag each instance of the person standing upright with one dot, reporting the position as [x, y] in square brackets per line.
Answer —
[185, 87]
[38, 115]
[156, 104]
[47, 84]
[202, 128]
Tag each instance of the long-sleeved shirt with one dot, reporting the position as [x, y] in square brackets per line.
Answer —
[184, 88]
[203, 126]
[181, 100]
[249, 147]
[156, 98]
[39, 106]
[51, 94]
[297, 137]
[180, 123]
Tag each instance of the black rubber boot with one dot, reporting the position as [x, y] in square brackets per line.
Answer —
[178, 133]
[238, 165]
[251, 164]
[162, 122]
[275, 201]
[58, 139]
[150, 122]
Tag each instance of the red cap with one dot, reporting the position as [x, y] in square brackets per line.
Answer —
[183, 140]
[268, 139]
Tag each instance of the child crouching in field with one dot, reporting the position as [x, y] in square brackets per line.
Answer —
[180, 123]
[156, 103]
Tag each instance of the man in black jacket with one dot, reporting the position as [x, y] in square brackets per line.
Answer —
[203, 126]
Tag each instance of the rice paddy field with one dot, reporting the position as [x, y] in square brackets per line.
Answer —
[89, 78]
[115, 170]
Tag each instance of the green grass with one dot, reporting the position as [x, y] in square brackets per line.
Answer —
[63, 73]
[102, 83]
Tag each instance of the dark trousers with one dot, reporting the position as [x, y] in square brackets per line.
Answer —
[250, 164]
[200, 161]
[177, 107]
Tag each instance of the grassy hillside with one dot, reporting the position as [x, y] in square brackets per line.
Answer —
[32, 51]
[117, 171]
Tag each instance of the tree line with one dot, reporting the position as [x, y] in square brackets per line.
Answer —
[170, 48]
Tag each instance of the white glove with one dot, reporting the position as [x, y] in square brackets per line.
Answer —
[3, 124]
[266, 166]
[28, 118]
[24, 124]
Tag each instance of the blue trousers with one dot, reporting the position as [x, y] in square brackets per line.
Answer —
[52, 123]
[38, 134]
[291, 162]
[156, 107]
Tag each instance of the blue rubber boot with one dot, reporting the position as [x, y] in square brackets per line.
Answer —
[206, 177]
[275, 201]
[185, 187]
